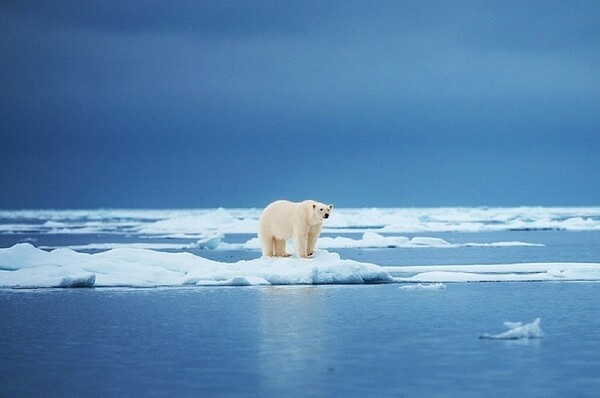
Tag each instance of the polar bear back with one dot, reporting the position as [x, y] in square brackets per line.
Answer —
[278, 219]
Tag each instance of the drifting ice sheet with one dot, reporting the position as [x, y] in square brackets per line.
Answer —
[369, 240]
[373, 240]
[521, 272]
[23, 265]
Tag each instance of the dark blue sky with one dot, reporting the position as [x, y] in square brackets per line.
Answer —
[236, 103]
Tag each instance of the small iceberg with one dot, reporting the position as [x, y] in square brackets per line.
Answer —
[517, 331]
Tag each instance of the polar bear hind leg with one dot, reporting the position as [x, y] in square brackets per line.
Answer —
[279, 245]
[267, 245]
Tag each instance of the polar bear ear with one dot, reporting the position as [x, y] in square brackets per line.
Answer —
[330, 207]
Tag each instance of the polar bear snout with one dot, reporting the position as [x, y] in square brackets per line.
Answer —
[323, 211]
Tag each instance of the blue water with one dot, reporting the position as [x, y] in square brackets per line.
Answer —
[375, 340]
[299, 341]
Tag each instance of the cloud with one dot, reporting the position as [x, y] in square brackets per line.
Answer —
[208, 17]
[353, 68]
[397, 88]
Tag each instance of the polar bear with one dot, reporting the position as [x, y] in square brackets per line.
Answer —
[282, 220]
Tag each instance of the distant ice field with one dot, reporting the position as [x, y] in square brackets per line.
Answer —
[201, 222]
[144, 248]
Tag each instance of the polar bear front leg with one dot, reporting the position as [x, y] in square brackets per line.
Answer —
[301, 242]
[313, 235]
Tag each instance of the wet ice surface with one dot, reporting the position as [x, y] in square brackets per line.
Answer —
[300, 341]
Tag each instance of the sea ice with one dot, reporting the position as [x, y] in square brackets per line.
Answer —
[24, 265]
[420, 286]
[518, 330]
[207, 222]
[200, 222]
[517, 272]
[374, 240]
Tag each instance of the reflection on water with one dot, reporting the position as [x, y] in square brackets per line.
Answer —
[375, 340]
[292, 336]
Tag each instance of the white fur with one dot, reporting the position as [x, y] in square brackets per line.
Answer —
[282, 220]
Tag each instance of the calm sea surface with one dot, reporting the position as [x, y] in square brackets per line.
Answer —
[374, 340]
[300, 341]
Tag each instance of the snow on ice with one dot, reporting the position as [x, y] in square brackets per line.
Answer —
[520, 272]
[374, 240]
[420, 286]
[136, 264]
[24, 266]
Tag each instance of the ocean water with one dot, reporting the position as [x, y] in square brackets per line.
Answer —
[372, 340]
[383, 339]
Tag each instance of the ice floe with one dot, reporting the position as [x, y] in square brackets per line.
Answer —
[420, 286]
[519, 272]
[374, 240]
[518, 330]
[209, 242]
[368, 240]
[220, 220]
[26, 266]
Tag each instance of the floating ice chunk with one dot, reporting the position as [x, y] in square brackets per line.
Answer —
[47, 276]
[23, 265]
[368, 240]
[420, 286]
[429, 242]
[26, 265]
[200, 223]
[518, 330]
[210, 242]
[373, 240]
[323, 268]
[518, 272]
[504, 244]
[25, 255]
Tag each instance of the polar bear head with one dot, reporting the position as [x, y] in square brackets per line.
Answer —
[320, 211]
